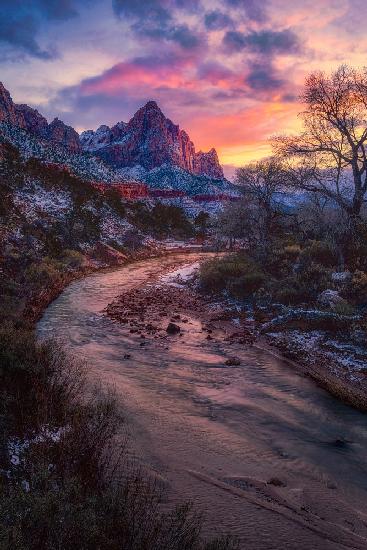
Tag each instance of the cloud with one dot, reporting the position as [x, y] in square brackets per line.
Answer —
[216, 20]
[152, 12]
[214, 72]
[182, 35]
[57, 9]
[21, 23]
[234, 41]
[261, 77]
[255, 10]
[157, 20]
[18, 34]
[262, 42]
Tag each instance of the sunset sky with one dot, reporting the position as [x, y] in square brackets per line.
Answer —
[228, 71]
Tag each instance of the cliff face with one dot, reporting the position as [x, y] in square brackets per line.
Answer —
[31, 120]
[34, 121]
[207, 164]
[150, 139]
[8, 111]
[61, 134]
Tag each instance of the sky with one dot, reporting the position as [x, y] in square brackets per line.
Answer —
[229, 72]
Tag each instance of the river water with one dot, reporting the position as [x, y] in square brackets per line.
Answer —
[217, 435]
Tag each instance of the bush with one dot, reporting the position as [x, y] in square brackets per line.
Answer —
[319, 252]
[344, 309]
[357, 289]
[246, 285]
[289, 292]
[313, 278]
[72, 259]
[237, 274]
[114, 200]
[162, 220]
[43, 273]
[292, 251]
[64, 477]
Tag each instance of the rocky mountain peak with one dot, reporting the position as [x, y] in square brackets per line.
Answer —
[34, 121]
[208, 164]
[150, 140]
[61, 134]
[25, 117]
[8, 111]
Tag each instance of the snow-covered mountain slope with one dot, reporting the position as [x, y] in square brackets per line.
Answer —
[149, 149]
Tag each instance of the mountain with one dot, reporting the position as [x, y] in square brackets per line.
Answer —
[149, 152]
[150, 140]
[26, 118]
[8, 111]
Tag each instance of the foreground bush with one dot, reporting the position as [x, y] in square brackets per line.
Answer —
[65, 480]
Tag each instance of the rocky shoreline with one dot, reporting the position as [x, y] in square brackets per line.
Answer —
[35, 305]
[144, 311]
[336, 378]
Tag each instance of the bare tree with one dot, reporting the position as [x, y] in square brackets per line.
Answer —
[262, 182]
[330, 156]
[234, 222]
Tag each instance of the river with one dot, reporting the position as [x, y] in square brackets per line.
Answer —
[215, 434]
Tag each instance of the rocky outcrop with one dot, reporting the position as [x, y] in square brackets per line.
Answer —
[150, 140]
[207, 164]
[31, 120]
[61, 134]
[8, 110]
[34, 121]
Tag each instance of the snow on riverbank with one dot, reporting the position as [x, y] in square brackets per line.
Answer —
[180, 276]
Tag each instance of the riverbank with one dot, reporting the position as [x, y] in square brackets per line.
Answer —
[327, 371]
[332, 374]
[36, 304]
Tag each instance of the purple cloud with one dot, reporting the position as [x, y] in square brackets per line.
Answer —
[216, 20]
[262, 42]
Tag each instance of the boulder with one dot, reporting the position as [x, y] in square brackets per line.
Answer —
[330, 298]
[8, 110]
[61, 134]
[172, 328]
[233, 362]
[341, 277]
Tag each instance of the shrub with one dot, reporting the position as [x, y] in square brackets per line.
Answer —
[72, 259]
[246, 285]
[357, 289]
[114, 200]
[72, 485]
[314, 278]
[292, 251]
[344, 309]
[319, 252]
[162, 220]
[290, 293]
[236, 273]
[43, 273]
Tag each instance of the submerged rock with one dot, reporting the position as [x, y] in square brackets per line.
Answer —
[233, 362]
[172, 328]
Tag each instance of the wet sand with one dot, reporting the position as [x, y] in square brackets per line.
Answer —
[217, 434]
